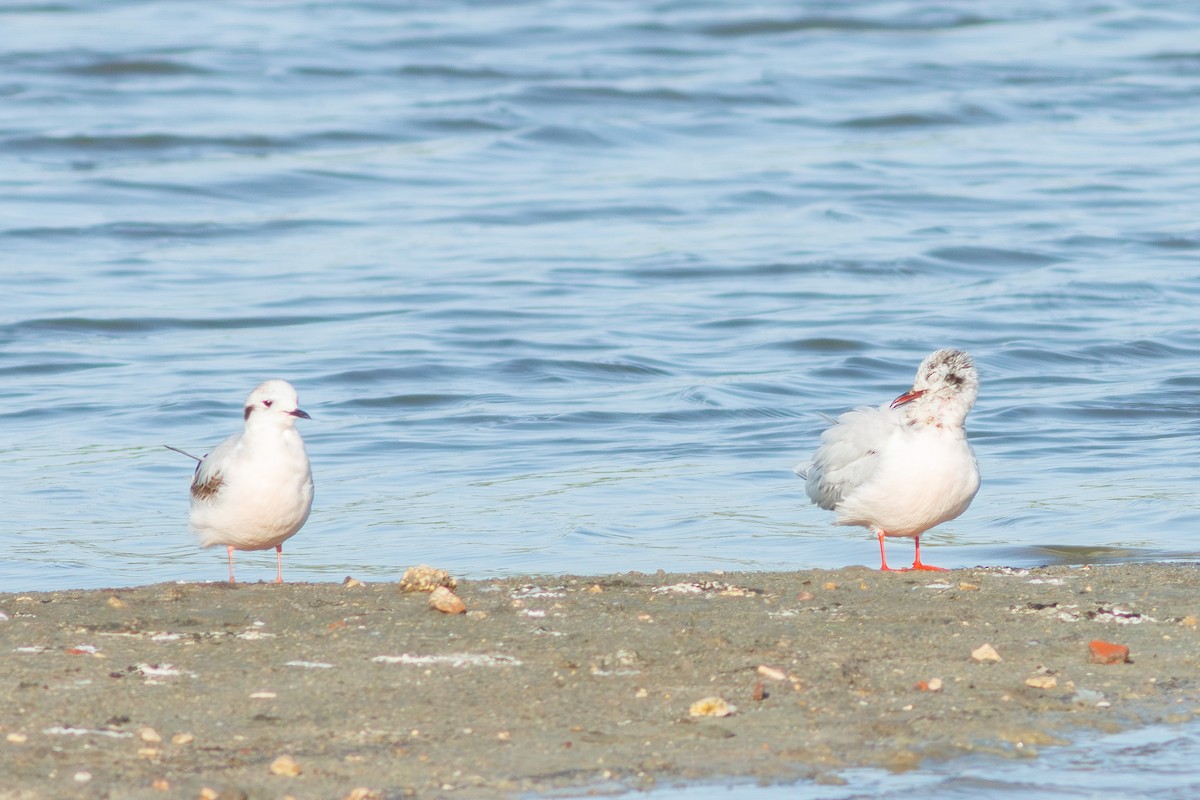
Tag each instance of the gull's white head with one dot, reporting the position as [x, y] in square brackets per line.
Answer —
[944, 390]
[273, 401]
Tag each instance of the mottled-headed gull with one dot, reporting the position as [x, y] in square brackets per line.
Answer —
[904, 467]
[255, 490]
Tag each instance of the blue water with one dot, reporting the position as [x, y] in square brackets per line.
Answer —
[564, 284]
[1157, 762]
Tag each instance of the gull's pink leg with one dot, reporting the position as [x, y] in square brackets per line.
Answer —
[883, 567]
[917, 561]
[279, 563]
[231, 580]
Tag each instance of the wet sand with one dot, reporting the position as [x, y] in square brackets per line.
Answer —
[575, 684]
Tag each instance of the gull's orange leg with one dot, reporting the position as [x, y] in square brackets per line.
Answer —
[279, 563]
[917, 561]
[231, 580]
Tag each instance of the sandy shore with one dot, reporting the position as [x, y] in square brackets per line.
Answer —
[556, 683]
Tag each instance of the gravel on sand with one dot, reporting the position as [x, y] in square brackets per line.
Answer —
[569, 683]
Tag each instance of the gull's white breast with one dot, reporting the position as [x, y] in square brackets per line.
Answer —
[264, 494]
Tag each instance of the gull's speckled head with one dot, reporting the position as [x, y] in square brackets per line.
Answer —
[944, 390]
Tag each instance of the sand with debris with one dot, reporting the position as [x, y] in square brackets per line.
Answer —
[562, 683]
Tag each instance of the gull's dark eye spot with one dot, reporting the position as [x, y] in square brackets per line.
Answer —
[954, 379]
[267, 403]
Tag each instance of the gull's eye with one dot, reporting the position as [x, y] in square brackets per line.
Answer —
[267, 403]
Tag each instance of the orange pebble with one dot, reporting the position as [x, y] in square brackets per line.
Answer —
[1108, 653]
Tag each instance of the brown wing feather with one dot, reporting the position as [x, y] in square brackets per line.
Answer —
[203, 490]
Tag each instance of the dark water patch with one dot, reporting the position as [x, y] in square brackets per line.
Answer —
[349, 176]
[1087, 189]
[944, 203]
[135, 67]
[154, 187]
[928, 119]
[18, 9]
[823, 345]
[564, 136]
[169, 145]
[154, 325]
[480, 315]
[145, 143]
[41, 368]
[588, 94]
[1138, 351]
[1121, 411]
[1086, 241]
[1072, 555]
[178, 230]
[542, 214]
[767, 26]
[323, 71]
[992, 257]
[565, 370]
[338, 138]
[464, 125]
[455, 73]
[1171, 241]
[388, 375]
[763, 198]
[700, 271]
[410, 402]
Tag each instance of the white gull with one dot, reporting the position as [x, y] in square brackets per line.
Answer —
[255, 489]
[903, 467]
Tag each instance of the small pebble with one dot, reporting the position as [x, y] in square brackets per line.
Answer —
[83, 776]
[352, 583]
[804, 597]
[985, 652]
[161, 785]
[1103, 652]
[115, 602]
[1042, 681]
[712, 707]
[17, 738]
[963, 586]
[285, 765]
[772, 673]
[182, 738]
[149, 735]
[830, 585]
[446, 601]
[425, 578]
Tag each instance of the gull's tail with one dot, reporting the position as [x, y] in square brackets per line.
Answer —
[184, 452]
